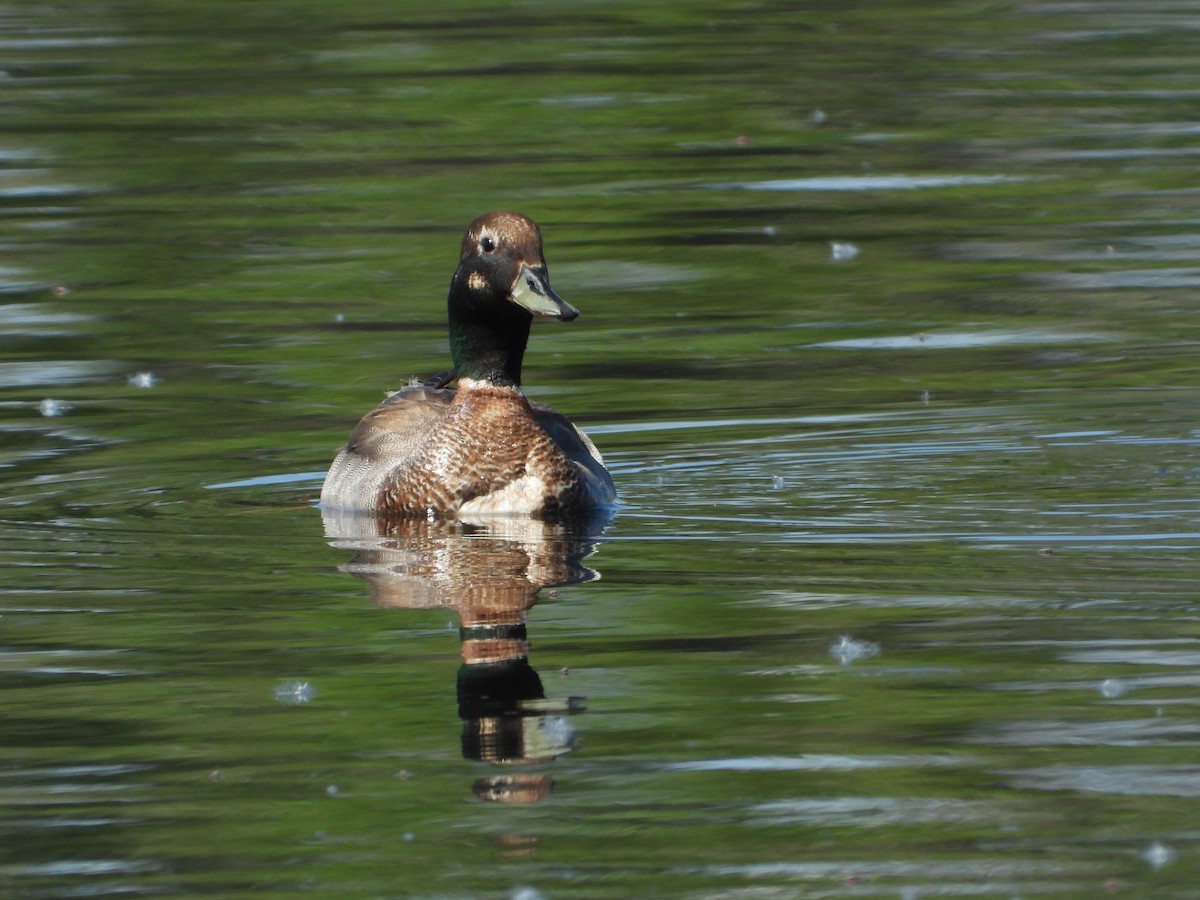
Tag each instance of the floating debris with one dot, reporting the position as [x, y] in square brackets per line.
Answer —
[143, 380]
[817, 117]
[295, 693]
[847, 650]
[841, 251]
[777, 482]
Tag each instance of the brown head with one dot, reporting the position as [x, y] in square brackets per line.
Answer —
[500, 284]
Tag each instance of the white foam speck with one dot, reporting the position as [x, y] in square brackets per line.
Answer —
[840, 251]
[847, 650]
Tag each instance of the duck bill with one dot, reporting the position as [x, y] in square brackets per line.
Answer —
[531, 290]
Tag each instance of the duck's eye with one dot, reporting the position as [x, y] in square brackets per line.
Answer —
[487, 243]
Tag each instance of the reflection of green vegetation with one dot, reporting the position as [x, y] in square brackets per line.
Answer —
[298, 163]
[269, 202]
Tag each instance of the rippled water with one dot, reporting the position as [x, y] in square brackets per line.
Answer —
[887, 337]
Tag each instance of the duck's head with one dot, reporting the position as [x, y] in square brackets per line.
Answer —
[501, 283]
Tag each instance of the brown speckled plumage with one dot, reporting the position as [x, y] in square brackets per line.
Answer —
[483, 449]
[486, 440]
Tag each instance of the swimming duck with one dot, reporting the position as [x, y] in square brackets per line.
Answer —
[483, 449]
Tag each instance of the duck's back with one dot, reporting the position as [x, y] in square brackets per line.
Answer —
[392, 433]
[489, 451]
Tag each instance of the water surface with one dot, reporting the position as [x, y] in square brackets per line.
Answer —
[887, 340]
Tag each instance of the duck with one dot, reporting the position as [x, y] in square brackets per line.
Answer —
[483, 449]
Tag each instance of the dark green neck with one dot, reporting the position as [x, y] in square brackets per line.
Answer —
[487, 338]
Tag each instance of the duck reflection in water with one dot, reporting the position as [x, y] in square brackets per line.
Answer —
[489, 572]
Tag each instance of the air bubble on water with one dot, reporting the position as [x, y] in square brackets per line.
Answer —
[143, 379]
[51, 408]
[841, 251]
[1158, 855]
[847, 650]
[1111, 688]
[777, 482]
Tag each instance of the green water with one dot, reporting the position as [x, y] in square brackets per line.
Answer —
[887, 336]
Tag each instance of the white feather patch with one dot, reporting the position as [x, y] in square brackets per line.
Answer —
[525, 496]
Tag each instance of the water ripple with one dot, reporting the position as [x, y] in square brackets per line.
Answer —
[867, 182]
[1140, 780]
